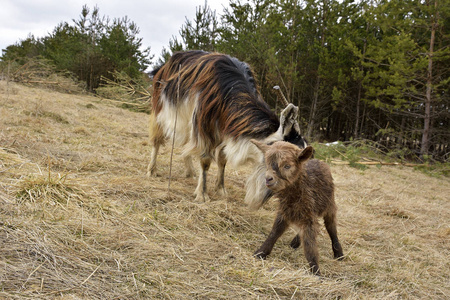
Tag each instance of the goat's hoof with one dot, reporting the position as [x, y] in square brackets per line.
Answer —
[315, 271]
[190, 174]
[151, 174]
[337, 251]
[260, 255]
[221, 191]
[201, 198]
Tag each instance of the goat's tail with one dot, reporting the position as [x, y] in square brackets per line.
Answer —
[156, 134]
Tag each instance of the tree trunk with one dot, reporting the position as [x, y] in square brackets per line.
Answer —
[427, 117]
[356, 135]
[312, 115]
[358, 103]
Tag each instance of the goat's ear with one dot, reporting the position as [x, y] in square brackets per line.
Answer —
[305, 154]
[261, 146]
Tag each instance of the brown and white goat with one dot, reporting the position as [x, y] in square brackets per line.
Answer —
[211, 103]
[305, 190]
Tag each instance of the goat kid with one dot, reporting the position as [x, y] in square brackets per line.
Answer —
[211, 103]
[305, 190]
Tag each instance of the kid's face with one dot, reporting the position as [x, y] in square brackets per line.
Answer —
[282, 169]
[283, 163]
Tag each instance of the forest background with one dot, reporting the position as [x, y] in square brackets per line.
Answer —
[376, 71]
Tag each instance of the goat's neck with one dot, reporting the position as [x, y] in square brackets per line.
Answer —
[293, 193]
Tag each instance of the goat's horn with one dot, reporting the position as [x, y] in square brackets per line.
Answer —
[281, 96]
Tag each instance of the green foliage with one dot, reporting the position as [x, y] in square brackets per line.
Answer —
[201, 33]
[90, 48]
[353, 68]
[20, 52]
[43, 72]
[371, 70]
[356, 153]
[436, 169]
[174, 46]
[351, 152]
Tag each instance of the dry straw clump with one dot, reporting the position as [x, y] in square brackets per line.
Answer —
[79, 219]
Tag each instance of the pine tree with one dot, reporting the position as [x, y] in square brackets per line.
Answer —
[90, 48]
[202, 32]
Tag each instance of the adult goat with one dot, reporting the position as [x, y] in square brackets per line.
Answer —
[211, 102]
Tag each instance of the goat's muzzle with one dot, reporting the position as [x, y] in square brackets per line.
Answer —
[270, 181]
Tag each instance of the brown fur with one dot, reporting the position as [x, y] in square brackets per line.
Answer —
[306, 192]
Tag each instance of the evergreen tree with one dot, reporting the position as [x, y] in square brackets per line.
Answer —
[90, 48]
[174, 46]
[19, 52]
[201, 33]
[400, 80]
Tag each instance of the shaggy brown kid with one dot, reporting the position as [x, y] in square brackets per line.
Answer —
[305, 190]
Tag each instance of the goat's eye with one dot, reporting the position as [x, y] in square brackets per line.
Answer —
[287, 167]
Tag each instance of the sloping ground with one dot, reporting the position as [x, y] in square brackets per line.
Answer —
[80, 220]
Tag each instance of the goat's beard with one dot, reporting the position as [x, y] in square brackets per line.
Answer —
[257, 193]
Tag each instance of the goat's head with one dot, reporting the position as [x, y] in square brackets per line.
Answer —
[283, 162]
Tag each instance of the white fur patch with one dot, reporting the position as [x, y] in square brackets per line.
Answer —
[241, 151]
[182, 115]
[256, 187]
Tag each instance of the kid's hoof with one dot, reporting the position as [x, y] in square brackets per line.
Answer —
[337, 251]
[339, 256]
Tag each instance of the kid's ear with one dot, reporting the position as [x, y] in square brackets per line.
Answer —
[305, 154]
[261, 146]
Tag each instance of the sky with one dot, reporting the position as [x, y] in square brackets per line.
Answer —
[158, 20]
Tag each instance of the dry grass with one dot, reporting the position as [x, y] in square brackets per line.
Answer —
[79, 219]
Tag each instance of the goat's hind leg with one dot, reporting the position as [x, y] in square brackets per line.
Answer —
[308, 235]
[201, 191]
[189, 166]
[221, 163]
[156, 137]
[330, 225]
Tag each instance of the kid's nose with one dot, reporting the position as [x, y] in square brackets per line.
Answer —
[269, 180]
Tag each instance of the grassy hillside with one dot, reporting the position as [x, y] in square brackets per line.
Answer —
[80, 220]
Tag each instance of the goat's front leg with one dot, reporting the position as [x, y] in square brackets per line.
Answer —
[156, 139]
[279, 227]
[330, 225]
[200, 192]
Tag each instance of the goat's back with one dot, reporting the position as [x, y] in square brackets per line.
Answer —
[215, 99]
[319, 185]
